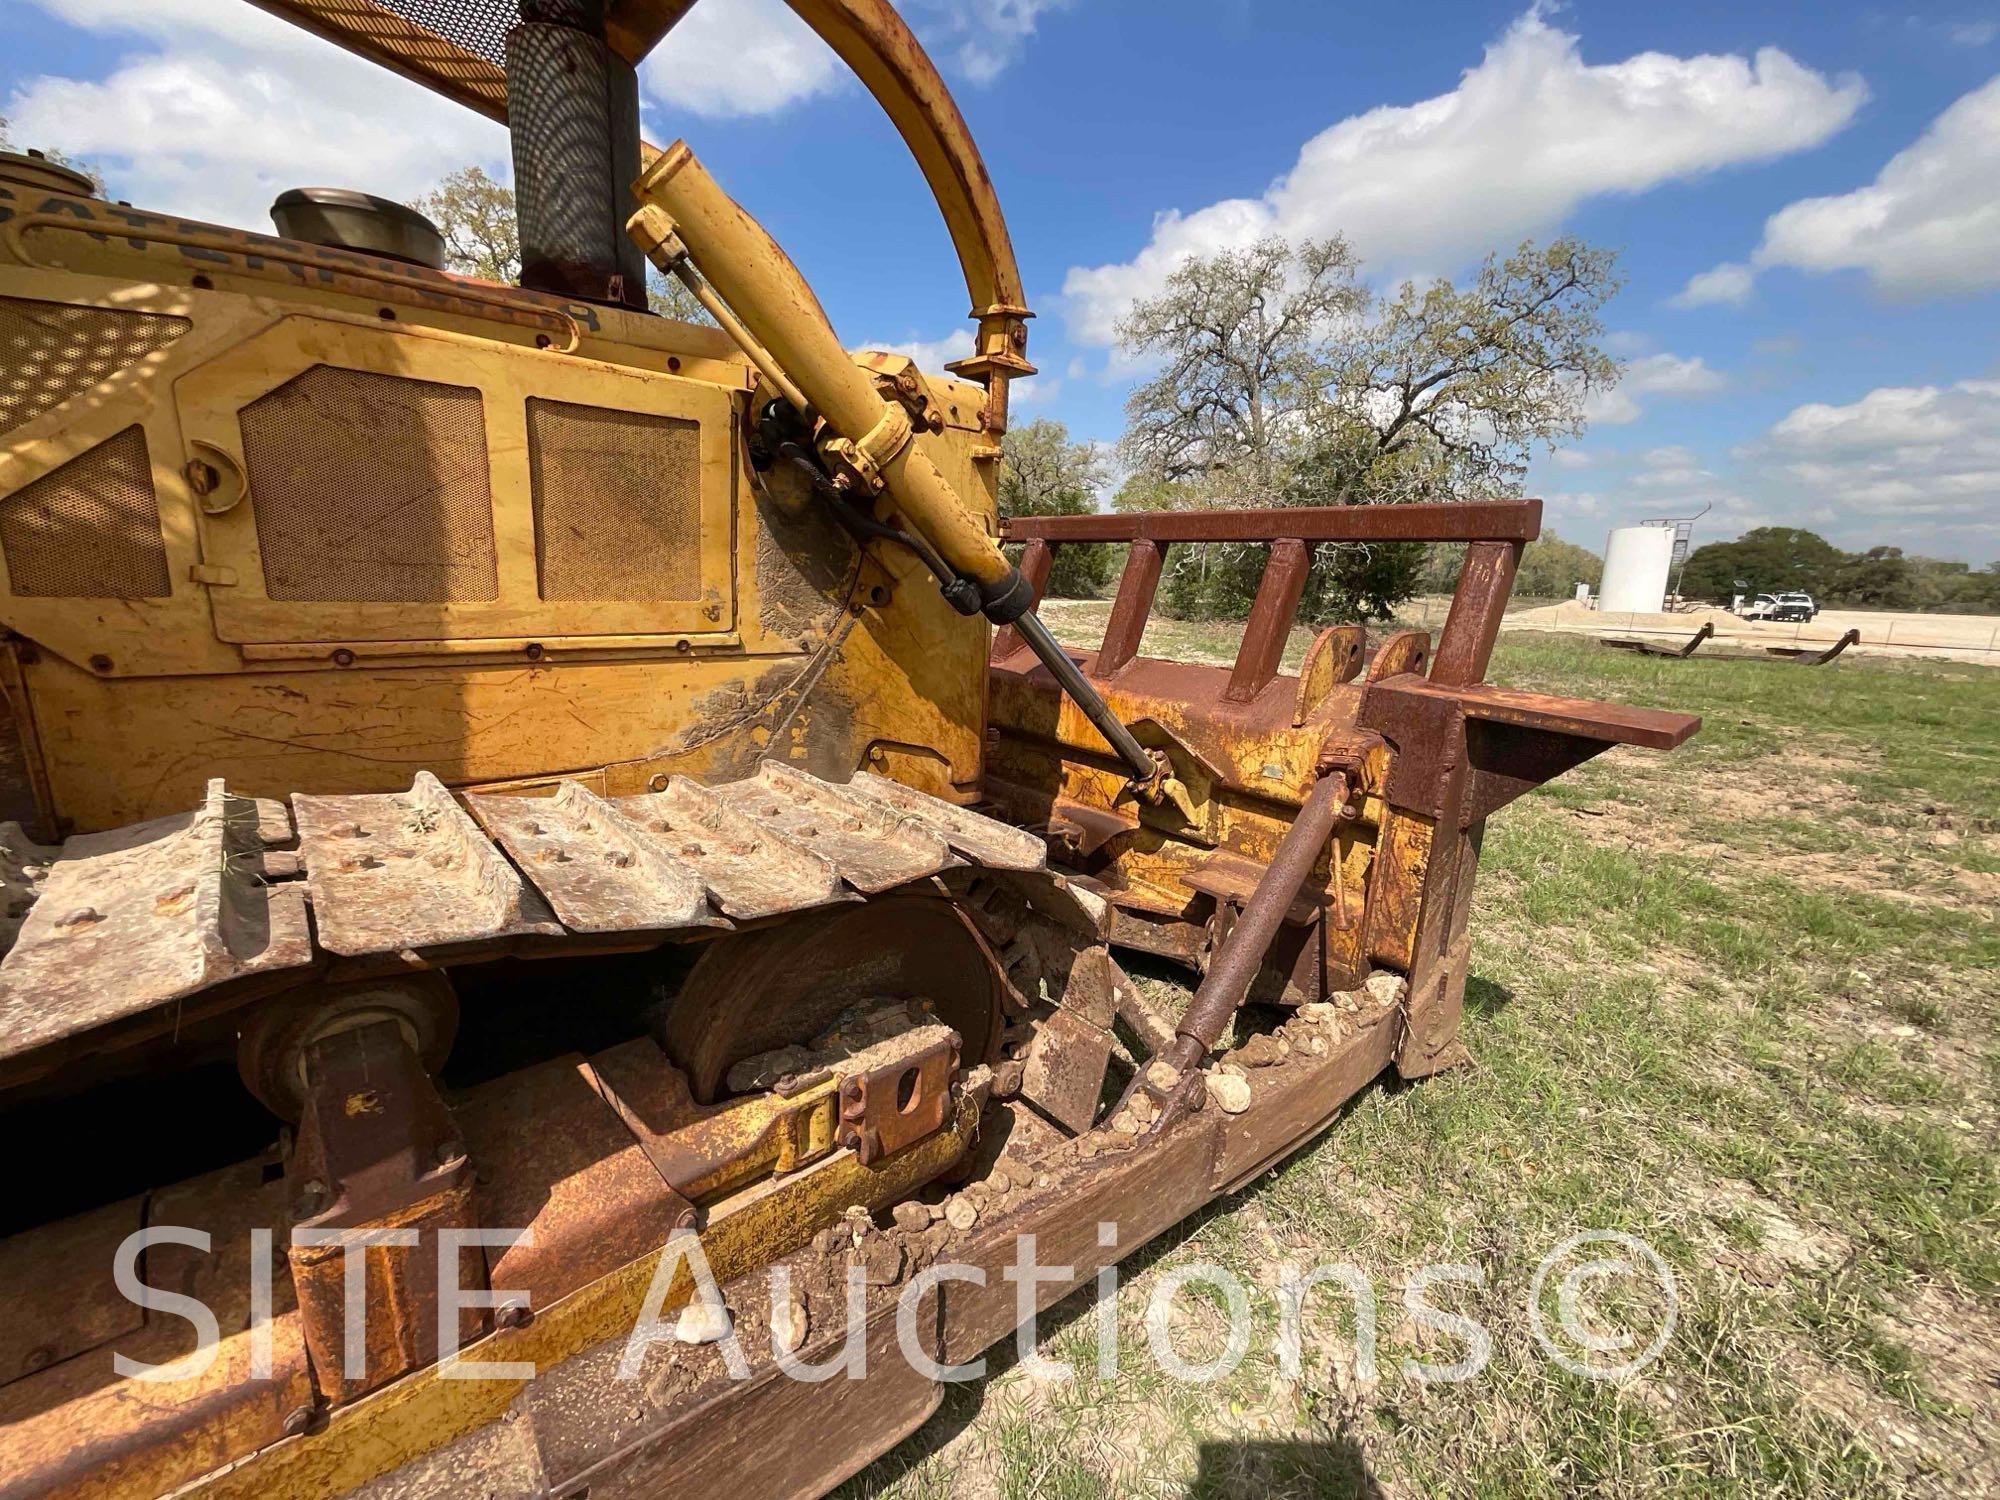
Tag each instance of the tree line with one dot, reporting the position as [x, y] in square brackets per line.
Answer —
[1278, 378]
[1779, 559]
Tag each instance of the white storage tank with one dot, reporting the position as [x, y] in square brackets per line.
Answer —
[1636, 562]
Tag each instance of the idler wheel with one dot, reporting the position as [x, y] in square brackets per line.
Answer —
[754, 992]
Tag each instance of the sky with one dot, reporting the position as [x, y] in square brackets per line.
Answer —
[1805, 198]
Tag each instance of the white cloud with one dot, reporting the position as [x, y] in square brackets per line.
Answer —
[1729, 284]
[730, 58]
[1571, 458]
[979, 37]
[739, 57]
[931, 355]
[1652, 375]
[1528, 135]
[237, 106]
[1672, 375]
[1671, 468]
[1929, 224]
[1925, 458]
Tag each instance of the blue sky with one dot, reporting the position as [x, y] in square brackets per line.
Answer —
[1806, 198]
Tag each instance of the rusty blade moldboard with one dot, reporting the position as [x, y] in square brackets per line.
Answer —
[751, 870]
[409, 870]
[873, 847]
[139, 916]
[601, 871]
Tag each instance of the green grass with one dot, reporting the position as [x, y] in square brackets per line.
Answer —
[1741, 1001]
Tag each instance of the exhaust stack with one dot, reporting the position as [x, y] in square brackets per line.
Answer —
[573, 116]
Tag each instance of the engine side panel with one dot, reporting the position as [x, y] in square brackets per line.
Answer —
[309, 520]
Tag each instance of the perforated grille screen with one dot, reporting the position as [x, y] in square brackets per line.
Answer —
[88, 530]
[617, 503]
[478, 26]
[50, 352]
[371, 489]
[457, 44]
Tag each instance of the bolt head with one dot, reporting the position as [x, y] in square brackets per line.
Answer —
[513, 1315]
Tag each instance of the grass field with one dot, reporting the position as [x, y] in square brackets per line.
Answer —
[1740, 1001]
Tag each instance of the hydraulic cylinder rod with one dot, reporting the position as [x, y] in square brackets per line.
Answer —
[871, 440]
[1230, 974]
[762, 301]
[1086, 697]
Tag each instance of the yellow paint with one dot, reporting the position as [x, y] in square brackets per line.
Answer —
[136, 703]
[423, 1412]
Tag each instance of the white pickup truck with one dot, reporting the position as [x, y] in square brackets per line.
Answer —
[1786, 607]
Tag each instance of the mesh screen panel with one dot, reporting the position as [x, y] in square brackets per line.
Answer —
[617, 503]
[90, 529]
[457, 44]
[475, 26]
[371, 489]
[50, 352]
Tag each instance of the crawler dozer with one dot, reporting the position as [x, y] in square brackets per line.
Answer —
[510, 790]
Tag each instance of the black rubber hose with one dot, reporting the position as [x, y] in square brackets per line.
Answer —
[960, 593]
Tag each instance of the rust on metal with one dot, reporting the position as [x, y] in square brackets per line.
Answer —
[704, 1151]
[1485, 579]
[376, 1150]
[985, 841]
[1136, 589]
[75, 1307]
[748, 867]
[1036, 560]
[1607, 723]
[1233, 970]
[1333, 657]
[872, 848]
[1277, 602]
[1657, 648]
[409, 870]
[1495, 521]
[1153, 1027]
[1401, 651]
[805, 974]
[73, 1426]
[136, 917]
[555, 1158]
[601, 871]
[891, 1105]
[1805, 657]
[1066, 1065]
